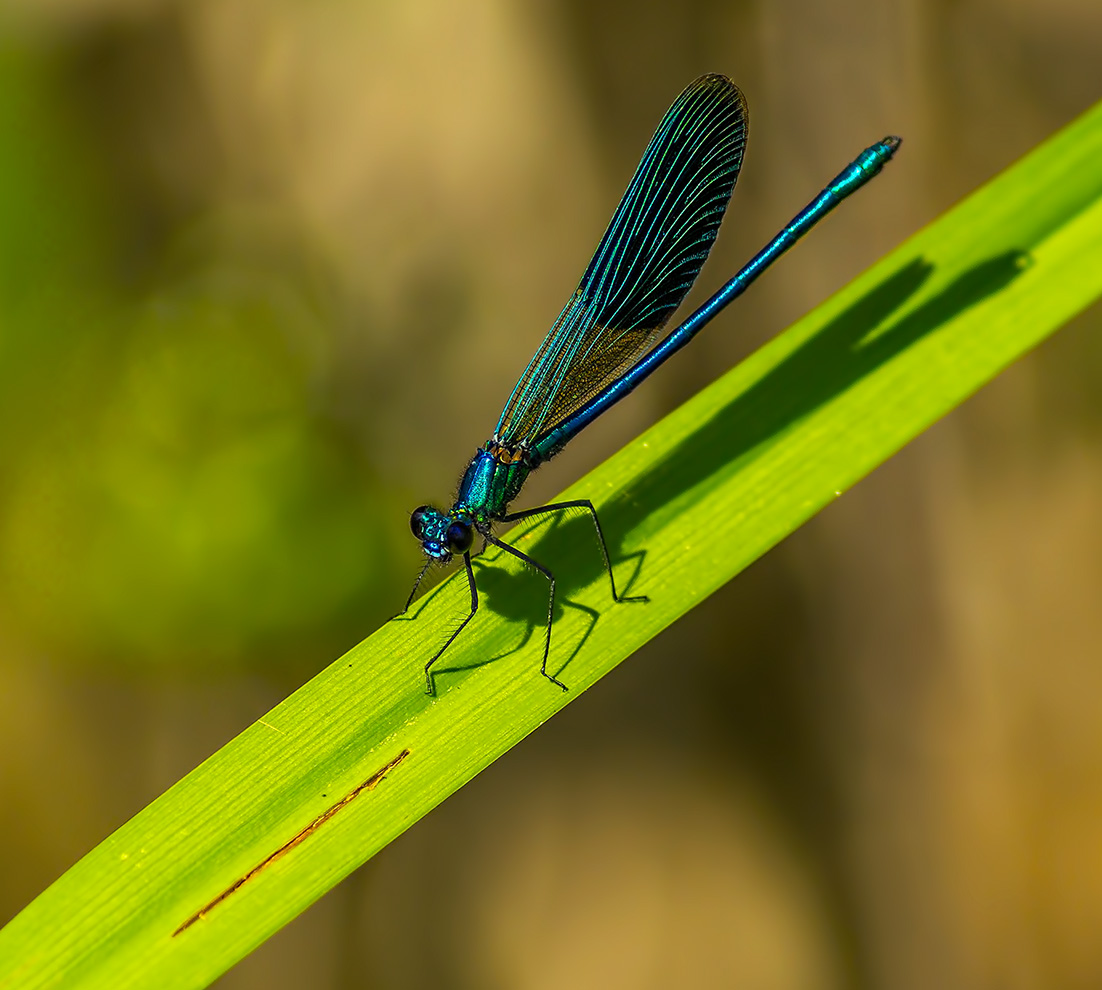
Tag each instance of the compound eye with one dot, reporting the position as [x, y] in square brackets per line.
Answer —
[417, 520]
[459, 537]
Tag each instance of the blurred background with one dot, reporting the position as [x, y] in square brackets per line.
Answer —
[268, 271]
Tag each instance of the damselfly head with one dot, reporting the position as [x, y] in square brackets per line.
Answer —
[441, 534]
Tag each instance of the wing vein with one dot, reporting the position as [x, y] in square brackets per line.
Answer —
[647, 260]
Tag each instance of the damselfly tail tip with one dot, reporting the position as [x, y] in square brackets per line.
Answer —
[892, 143]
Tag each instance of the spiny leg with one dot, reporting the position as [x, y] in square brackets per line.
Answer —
[474, 608]
[416, 585]
[550, 603]
[581, 503]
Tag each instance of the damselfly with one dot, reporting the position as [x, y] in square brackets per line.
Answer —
[609, 337]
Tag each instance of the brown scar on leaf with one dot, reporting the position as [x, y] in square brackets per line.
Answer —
[368, 785]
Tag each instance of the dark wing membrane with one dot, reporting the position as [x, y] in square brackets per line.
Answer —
[649, 257]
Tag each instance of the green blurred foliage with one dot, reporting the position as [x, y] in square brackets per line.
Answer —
[174, 490]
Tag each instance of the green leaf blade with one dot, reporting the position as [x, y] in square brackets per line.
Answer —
[687, 506]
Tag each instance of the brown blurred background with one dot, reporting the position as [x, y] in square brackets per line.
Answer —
[267, 273]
